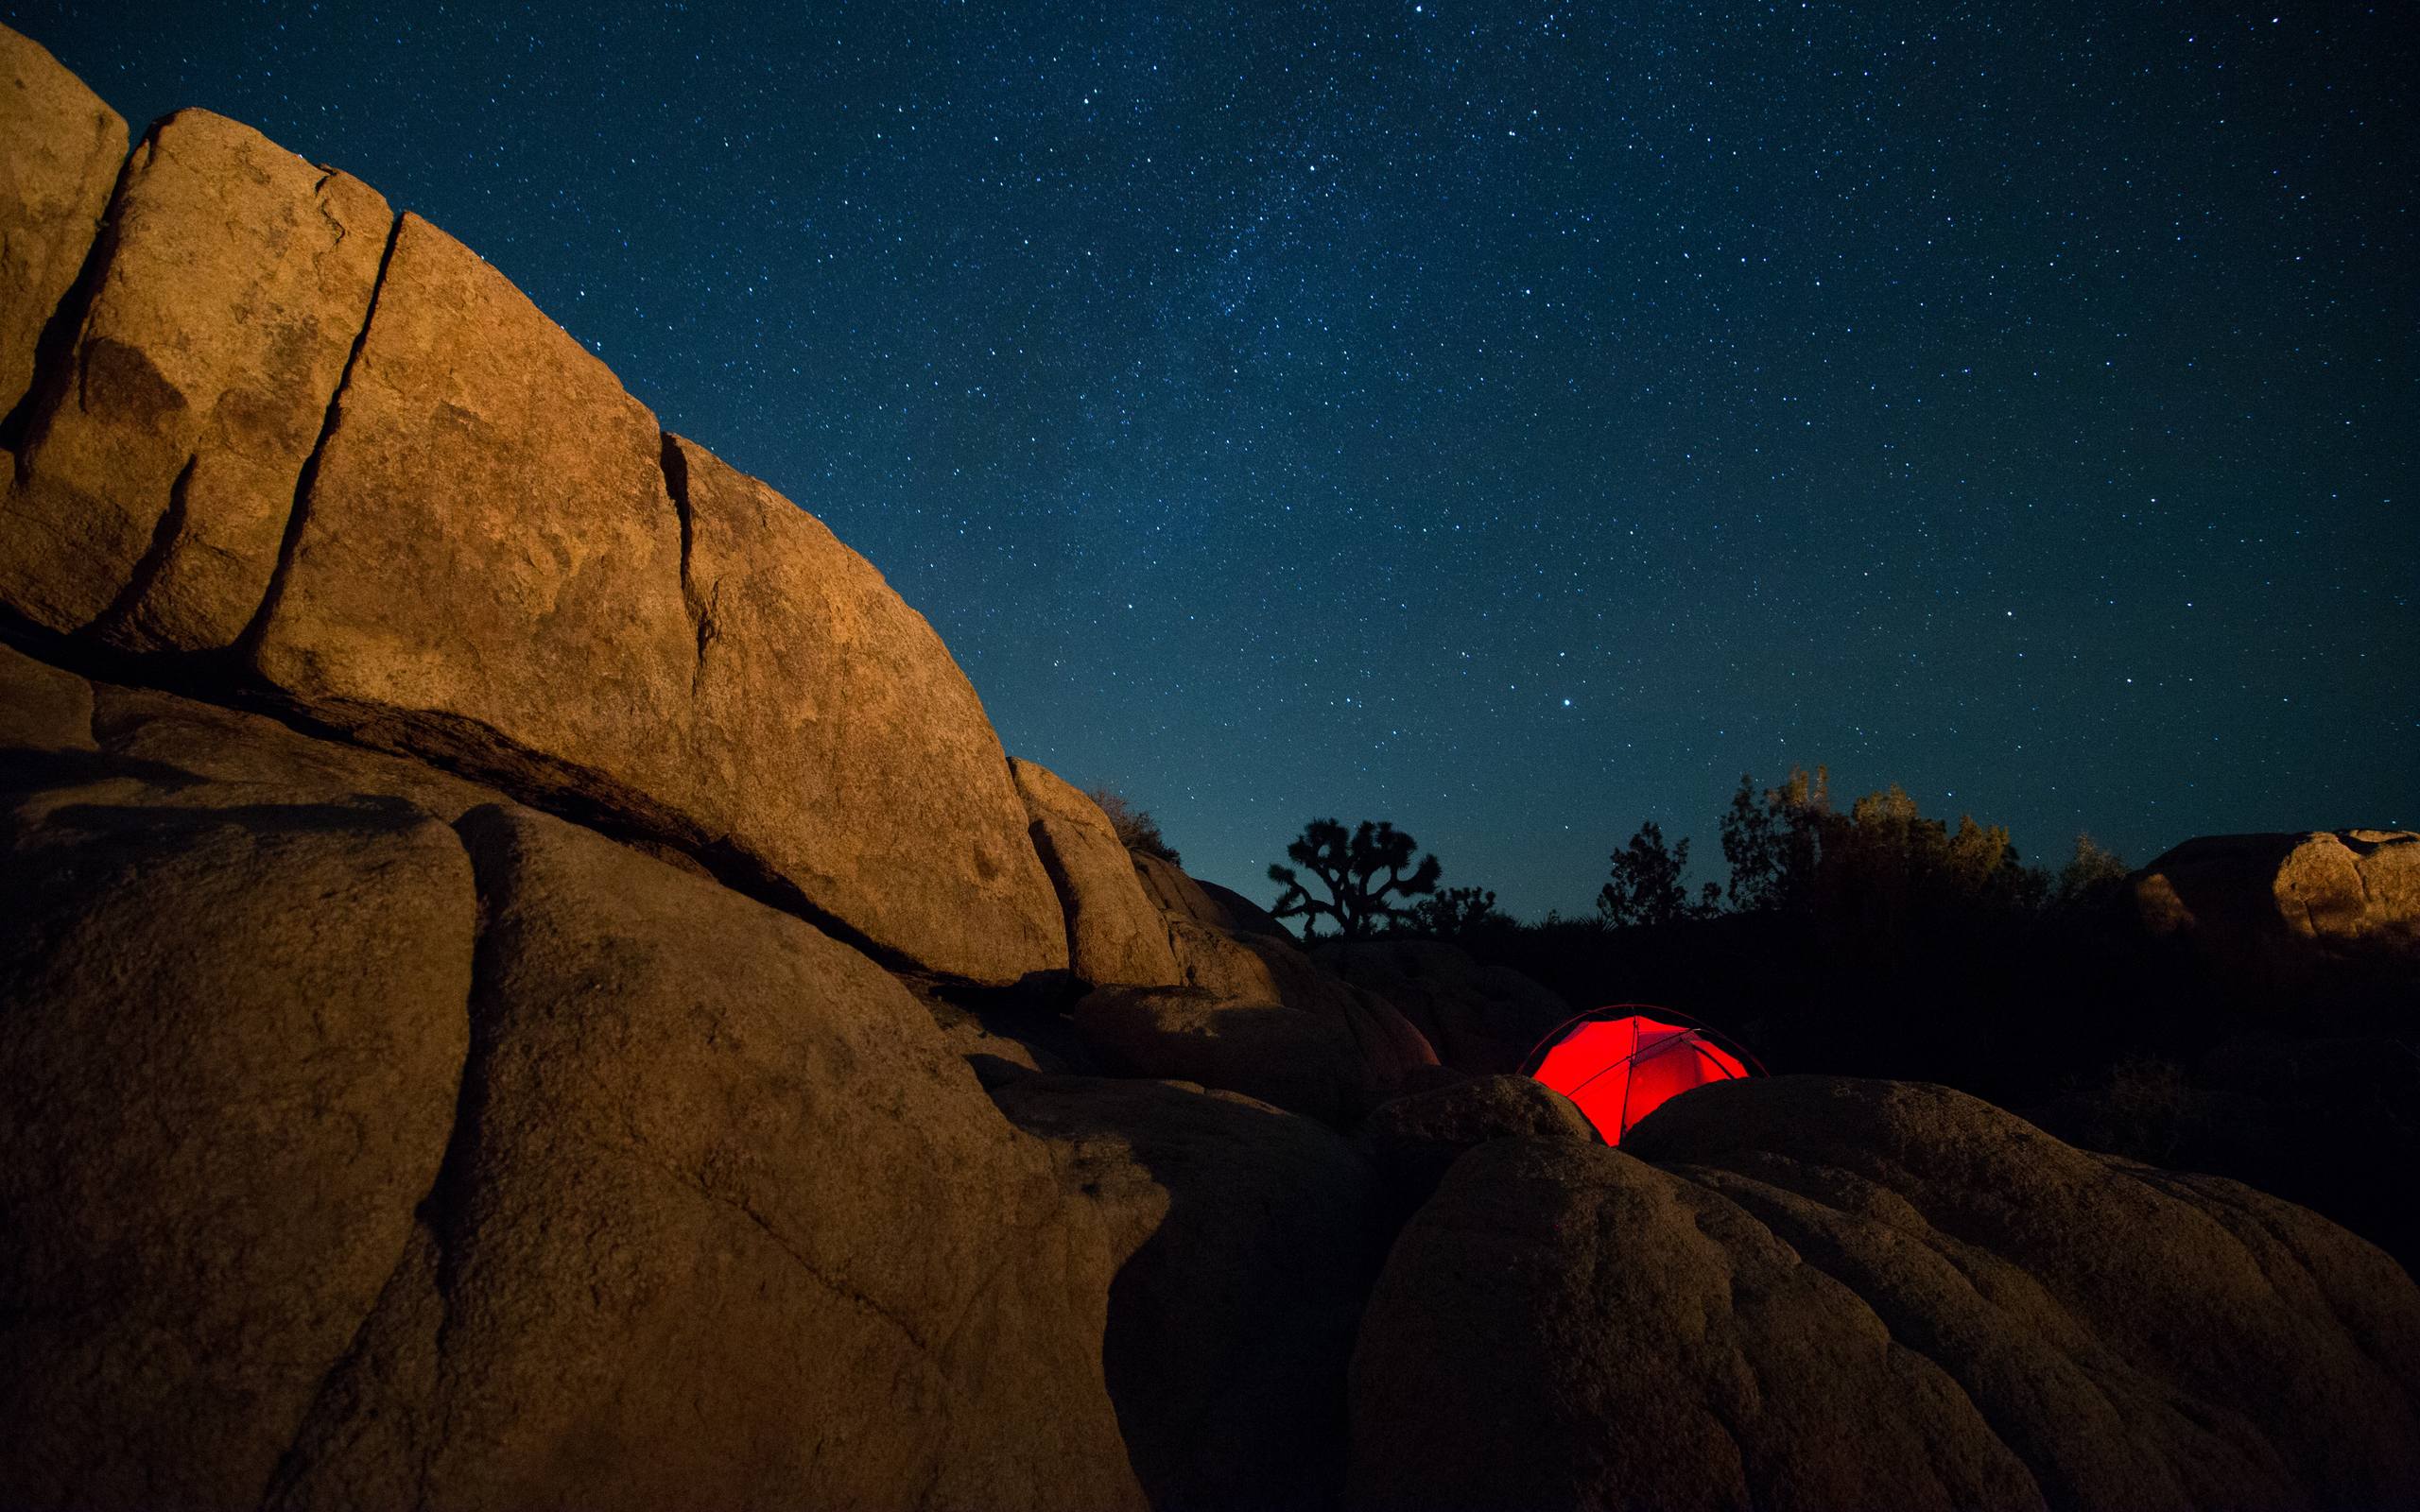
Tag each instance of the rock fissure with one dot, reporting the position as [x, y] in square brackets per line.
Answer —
[248, 643]
[167, 537]
[66, 318]
[739, 1203]
[700, 608]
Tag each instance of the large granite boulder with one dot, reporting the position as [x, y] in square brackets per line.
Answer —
[2283, 908]
[1303, 1062]
[64, 150]
[163, 453]
[1480, 1018]
[836, 738]
[1115, 932]
[279, 420]
[230, 1049]
[1180, 896]
[725, 1224]
[357, 1157]
[748, 689]
[1414, 1139]
[1810, 1292]
[1256, 1237]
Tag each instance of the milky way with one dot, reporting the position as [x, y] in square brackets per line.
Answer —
[1515, 421]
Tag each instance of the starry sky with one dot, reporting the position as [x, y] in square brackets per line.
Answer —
[1514, 421]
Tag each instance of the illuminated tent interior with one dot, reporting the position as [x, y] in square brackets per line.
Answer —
[1622, 1062]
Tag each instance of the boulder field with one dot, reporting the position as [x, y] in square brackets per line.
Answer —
[529, 980]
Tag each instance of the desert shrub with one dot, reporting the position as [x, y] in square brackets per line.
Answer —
[1457, 913]
[1136, 828]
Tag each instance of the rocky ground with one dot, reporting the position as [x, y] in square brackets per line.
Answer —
[530, 981]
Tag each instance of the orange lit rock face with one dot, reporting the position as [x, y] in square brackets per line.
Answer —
[475, 554]
[63, 152]
[369, 1132]
[161, 463]
[1115, 932]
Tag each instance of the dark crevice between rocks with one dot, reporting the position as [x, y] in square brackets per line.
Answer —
[1905, 1327]
[1056, 869]
[440, 1214]
[223, 676]
[470, 749]
[478, 752]
[675, 465]
[58, 338]
[166, 536]
[248, 645]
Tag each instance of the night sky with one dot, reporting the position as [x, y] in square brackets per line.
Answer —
[1511, 420]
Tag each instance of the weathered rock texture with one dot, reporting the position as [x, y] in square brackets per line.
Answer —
[1809, 1292]
[1183, 896]
[724, 1223]
[63, 152]
[162, 457]
[360, 1160]
[747, 688]
[229, 1057]
[2286, 905]
[836, 738]
[1215, 1028]
[1115, 931]
[284, 421]
[1414, 1139]
[1255, 1238]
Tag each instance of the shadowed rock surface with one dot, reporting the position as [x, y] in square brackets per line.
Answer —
[1480, 1018]
[1808, 1292]
[1302, 1063]
[1414, 1139]
[705, 1160]
[64, 148]
[1115, 931]
[1230, 1329]
[724, 1223]
[231, 1036]
[161, 463]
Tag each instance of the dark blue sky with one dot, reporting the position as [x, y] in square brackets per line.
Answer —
[1513, 421]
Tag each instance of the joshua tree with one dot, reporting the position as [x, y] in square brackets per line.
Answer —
[1360, 871]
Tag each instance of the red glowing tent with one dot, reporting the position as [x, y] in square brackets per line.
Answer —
[1619, 1063]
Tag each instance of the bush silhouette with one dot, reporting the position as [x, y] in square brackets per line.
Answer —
[1136, 828]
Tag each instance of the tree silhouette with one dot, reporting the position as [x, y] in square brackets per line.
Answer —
[1647, 887]
[1772, 845]
[1349, 867]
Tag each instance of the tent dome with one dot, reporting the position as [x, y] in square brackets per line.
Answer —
[1622, 1062]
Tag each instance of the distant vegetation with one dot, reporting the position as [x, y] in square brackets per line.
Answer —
[1871, 939]
[1136, 828]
